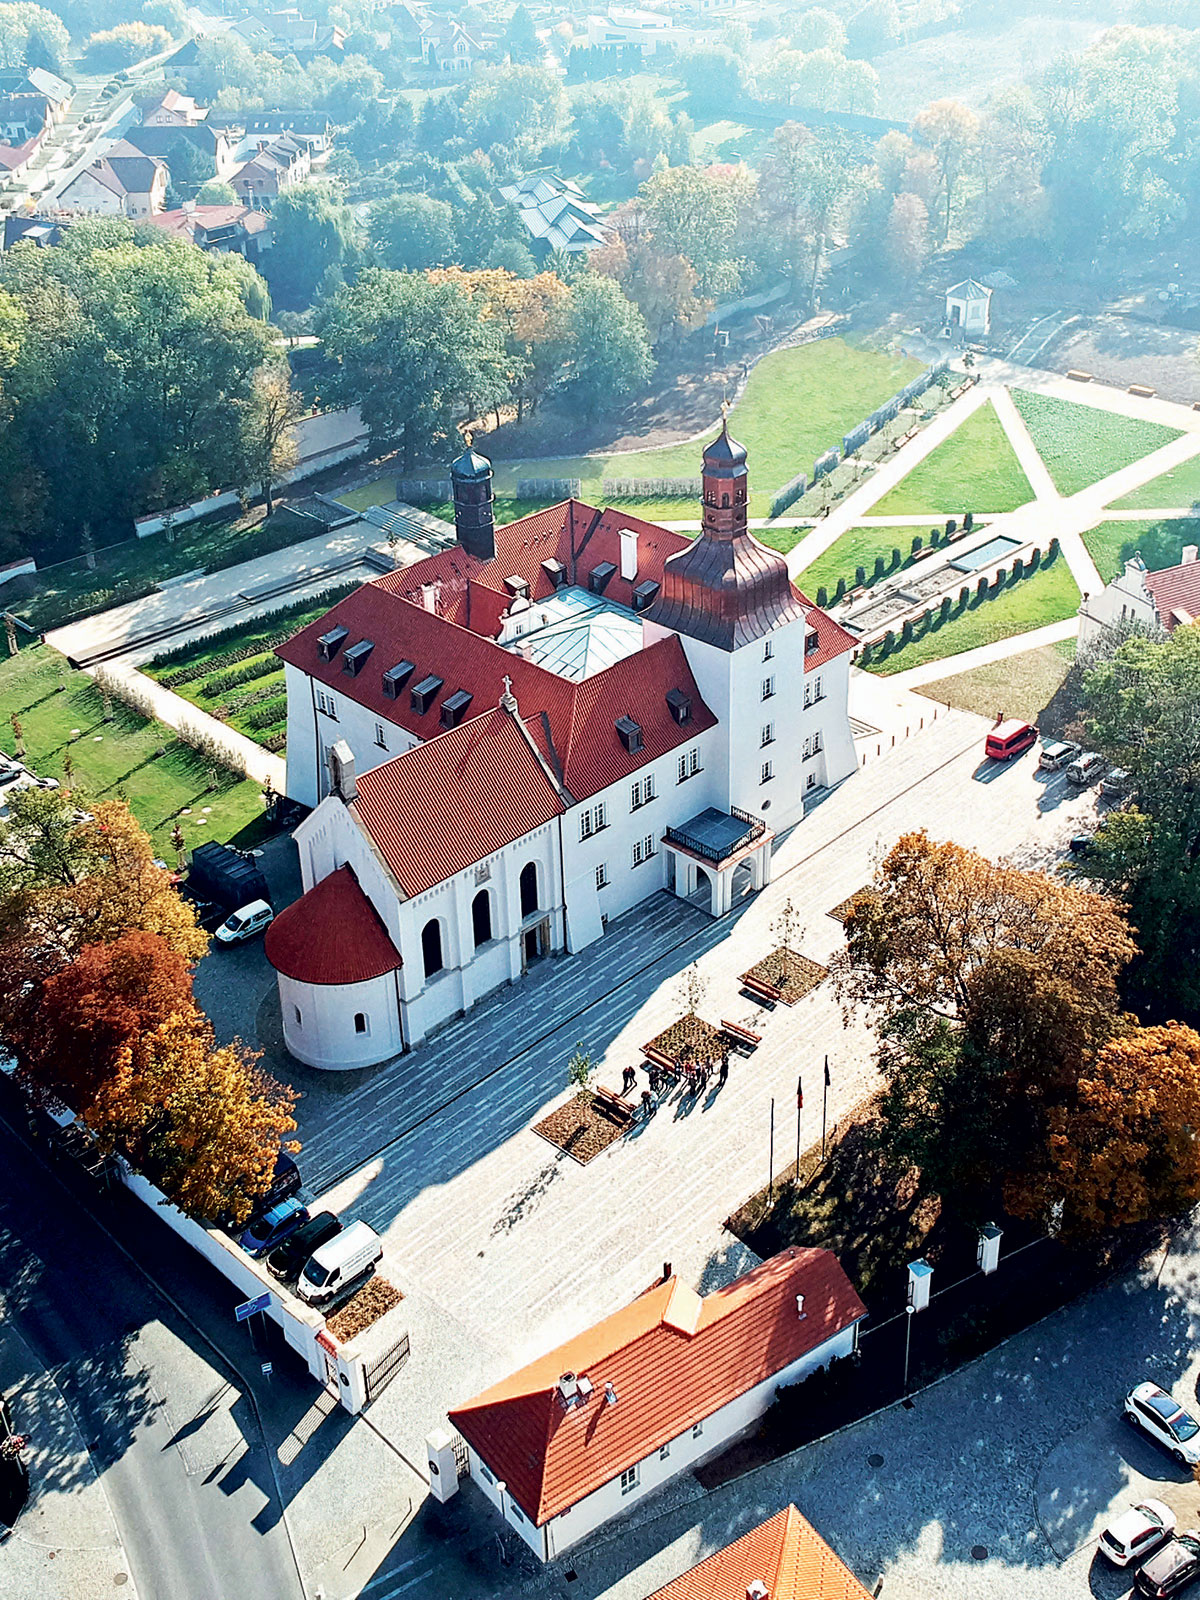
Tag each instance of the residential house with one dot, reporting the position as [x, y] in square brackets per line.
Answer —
[232, 229]
[276, 165]
[56, 91]
[170, 109]
[627, 31]
[520, 737]
[784, 1558]
[584, 1433]
[1158, 602]
[556, 213]
[160, 140]
[312, 128]
[287, 33]
[122, 183]
[24, 118]
[37, 229]
[448, 47]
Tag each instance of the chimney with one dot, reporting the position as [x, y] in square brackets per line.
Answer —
[757, 1590]
[800, 1311]
[474, 516]
[610, 1395]
[568, 1388]
[1189, 554]
[341, 771]
[666, 1277]
[629, 559]
[430, 596]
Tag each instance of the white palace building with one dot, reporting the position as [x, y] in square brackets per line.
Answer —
[516, 739]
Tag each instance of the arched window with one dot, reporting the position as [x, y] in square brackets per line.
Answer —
[481, 917]
[296, 1014]
[529, 888]
[724, 499]
[360, 1022]
[431, 947]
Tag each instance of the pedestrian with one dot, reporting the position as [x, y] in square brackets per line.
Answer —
[628, 1079]
[647, 1104]
[724, 1075]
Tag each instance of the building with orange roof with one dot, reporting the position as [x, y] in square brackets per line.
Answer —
[524, 735]
[584, 1432]
[784, 1558]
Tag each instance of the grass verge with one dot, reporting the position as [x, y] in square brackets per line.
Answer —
[1021, 686]
[1160, 543]
[1082, 444]
[1177, 488]
[975, 469]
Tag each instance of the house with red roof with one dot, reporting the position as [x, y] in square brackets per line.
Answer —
[586, 1431]
[1158, 602]
[784, 1558]
[526, 734]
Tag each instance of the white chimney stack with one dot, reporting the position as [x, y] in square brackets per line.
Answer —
[629, 556]
[800, 1307]
[757, 1590]
[1189, 554]
[568, 1388]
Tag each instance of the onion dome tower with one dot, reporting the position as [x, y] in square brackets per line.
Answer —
[726, 589]
[474, 515]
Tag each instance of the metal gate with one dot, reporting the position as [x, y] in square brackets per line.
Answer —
[462, 1459]
[378, 1376]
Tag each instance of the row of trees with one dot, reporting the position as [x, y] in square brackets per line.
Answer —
[135, 373]
[97, 1008]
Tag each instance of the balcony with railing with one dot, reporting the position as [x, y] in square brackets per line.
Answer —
[716, 835]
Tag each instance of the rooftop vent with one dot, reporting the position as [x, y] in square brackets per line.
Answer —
[330, 643]
[568, 1388]
[631, 734]
[610, 1395]
[680, 704]
[586, 1386]
[644, 594]
[800, 1311]
[555, 571]
[396, 677]
[421, 696]
[355, 658]
[517, 586]
[454, 708]
[757, 1590]
[598, 577]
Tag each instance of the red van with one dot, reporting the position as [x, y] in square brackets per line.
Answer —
[1008, 739]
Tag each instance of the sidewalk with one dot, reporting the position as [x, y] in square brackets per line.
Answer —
[950, 666]
[65, 1545]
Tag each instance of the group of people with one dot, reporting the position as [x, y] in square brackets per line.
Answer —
[661, 1080]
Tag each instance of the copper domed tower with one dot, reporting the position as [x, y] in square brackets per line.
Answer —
[725, 589]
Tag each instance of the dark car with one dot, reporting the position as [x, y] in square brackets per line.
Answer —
[284, 1184]
[1171, 1568]
[273, 1227]
[286, 1261]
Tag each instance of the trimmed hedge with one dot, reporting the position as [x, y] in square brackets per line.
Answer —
[254, 667]
[269, 714]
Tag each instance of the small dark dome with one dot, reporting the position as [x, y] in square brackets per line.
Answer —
[471, 465]
[725, 457]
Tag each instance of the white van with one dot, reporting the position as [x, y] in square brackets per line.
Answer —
[353, 1253]
[244, 924]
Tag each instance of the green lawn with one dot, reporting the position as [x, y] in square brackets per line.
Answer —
[1030, 603]
[796, 404]
[62, 710]
[1110, 544]
[975, 469]
[1179, 487]
[858, 547]
[1081, 444]
[255, 706]
[1021, 686]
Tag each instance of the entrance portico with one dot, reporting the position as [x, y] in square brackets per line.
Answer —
[725, 850]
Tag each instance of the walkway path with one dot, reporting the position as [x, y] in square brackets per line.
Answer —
[1001, 650]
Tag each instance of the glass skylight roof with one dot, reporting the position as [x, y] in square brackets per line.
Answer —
[577, 634]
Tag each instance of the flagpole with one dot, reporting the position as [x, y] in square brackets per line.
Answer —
[824, 1107]
[771, 1159]
[799, 1109]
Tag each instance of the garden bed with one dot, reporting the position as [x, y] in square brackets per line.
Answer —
[374, 1300]
[580, 1128]
[787, 974]
[689, 1040]
[844, 907]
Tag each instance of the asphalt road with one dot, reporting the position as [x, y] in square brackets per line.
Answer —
[176, 1444]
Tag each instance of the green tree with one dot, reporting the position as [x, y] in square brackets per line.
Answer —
[313, 233]
[216, 192]
[817, 29]
[806, 182]
[520, 107]
[520, 41]
[695, 214]
[951, 131]
[410, 232]
[189, 167]
[415, 355]
[610, 349]
[22, 23]
[907, 240]
[121, 46]
[269, 447]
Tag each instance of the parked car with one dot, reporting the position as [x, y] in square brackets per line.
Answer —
[1059, 753]
[1008, 739]
[1172, 1567]
[1136, 1532]
[285, 1182]
[345, 1261]
[1161, 1418]
[273, 1227]
[1086, 769]
[244, 924]
[287, 1261]
[1116, 784]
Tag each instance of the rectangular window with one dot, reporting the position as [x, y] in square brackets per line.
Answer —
[697, 1430]
[518, 1515]
[593, 820]
[768, 651]
[602, 876]
[325, 703]
[643, 849]
[808, 695]
[601, 816]
[812, 746]
[664, 1452]
[768, 734]
[629, 1480]
[487, 1472]
[585, 824]
[768, 772]
[641, 792]
[380, 738]
[818, 692]
[768, 688]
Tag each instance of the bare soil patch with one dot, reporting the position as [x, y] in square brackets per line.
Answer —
[788, 972]
[691, 1039]
[1123, 350]
[373, 1300]
[580, 1128]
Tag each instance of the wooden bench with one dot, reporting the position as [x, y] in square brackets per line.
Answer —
[1079, 377]
[613, 1105]
[740, 1035]
[763, 990]
[1142, 390]
[660, 1060]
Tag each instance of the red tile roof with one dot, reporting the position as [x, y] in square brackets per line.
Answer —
[482, 784]
[332, 934]
[582, 716]
[786, 1555]
[1176, 592]
[832, 639]
[671, 1357]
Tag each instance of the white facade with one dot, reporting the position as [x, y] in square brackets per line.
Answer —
[317, 717]
[969, 308]
[337, 1027]
[620, 1494]
[1127, 599]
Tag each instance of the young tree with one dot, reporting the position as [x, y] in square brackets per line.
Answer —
[907, 242]
[269, 438]
[580, 1068]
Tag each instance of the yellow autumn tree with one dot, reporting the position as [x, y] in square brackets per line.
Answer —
[535, 315]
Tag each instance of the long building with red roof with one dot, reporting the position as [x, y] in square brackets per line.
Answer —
[524, 735]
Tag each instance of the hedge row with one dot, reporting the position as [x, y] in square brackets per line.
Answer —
[237, 630]
[236, 704]
[268, 714]
[254, 667]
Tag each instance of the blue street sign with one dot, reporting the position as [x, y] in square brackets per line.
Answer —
[249, 1307]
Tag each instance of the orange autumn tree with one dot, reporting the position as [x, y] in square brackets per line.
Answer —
[1125, 1147]
[201, 1120]
[535, 315]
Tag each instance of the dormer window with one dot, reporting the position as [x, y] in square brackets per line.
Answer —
[555, 571]
[680, 705]
[454, 708]
[811, 642]
[644, 594]
[599, 576]
[421, 696]
[630, 733]
[355, 658]
[396, 677]
[518, 587]
[330, 643]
